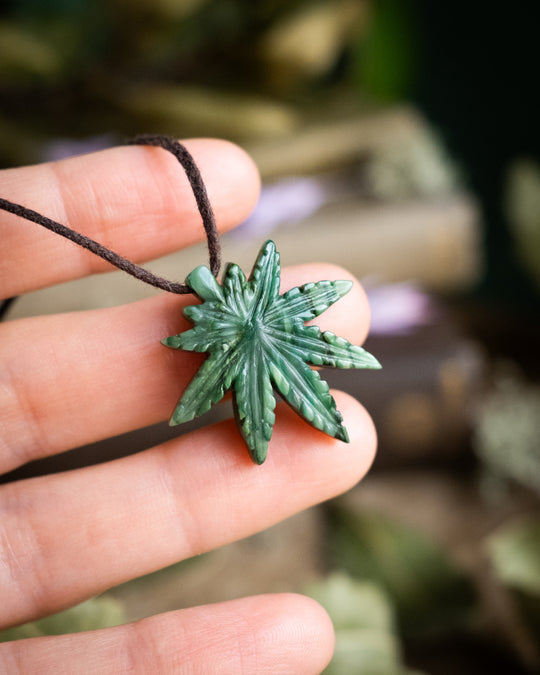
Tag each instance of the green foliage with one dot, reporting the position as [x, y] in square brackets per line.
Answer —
[523, 209]
[257, 341]
[25, 57]
[385, 59]
[366, 641]
[187, 68]
[101, 612]
[514, 552]
[507, 434]
[430, 594]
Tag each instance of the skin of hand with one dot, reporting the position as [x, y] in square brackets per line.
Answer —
[71, 379]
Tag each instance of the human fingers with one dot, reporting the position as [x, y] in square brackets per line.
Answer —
[135, 200]
[66, 537]
[266, 634]
[73, 379]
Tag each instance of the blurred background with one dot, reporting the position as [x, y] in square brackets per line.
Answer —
[400, 139]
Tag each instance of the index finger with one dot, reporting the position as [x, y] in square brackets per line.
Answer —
[135, 200]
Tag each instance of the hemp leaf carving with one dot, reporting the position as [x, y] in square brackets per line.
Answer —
[257, 342]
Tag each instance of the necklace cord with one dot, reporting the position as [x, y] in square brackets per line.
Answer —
[203, 204]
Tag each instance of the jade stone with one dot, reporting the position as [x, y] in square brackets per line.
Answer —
[257, 343]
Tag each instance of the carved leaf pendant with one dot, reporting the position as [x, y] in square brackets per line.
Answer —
[257, 343]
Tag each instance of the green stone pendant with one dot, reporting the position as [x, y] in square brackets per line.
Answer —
[257, 342]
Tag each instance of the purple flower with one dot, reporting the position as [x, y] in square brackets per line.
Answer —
[397, 309]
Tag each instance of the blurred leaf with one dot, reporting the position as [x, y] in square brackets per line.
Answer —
[25, 56]
[523, 209]
[366, 643]
[354, 604]
[384, 61]
[411, 167]
[507, 433]
[102, 612]
[307, 42]
[430, 594]
[197, 110]
[515, 554]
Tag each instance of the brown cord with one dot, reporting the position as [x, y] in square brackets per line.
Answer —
[199, 190]
[203, 204]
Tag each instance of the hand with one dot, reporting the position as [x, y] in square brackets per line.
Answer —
[72, 379]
